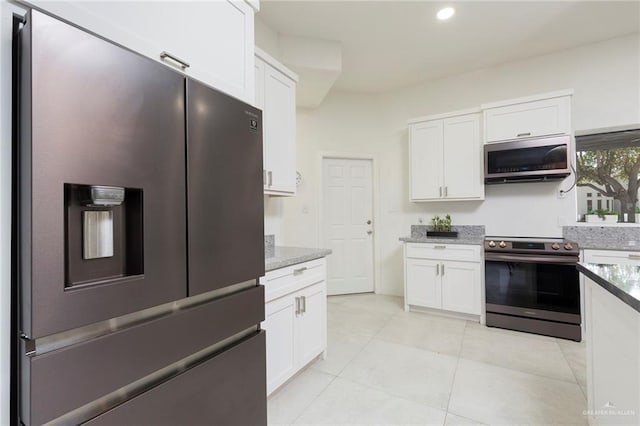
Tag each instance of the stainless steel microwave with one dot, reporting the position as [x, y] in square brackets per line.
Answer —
[529, 160]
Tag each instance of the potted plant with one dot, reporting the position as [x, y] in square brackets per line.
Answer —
[601, 215]
[442, 227]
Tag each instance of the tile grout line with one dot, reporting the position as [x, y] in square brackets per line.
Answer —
[583, 390]
[314, 399]
[341, 370]
[455, 372]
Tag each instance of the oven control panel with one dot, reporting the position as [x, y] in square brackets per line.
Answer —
[531, 246]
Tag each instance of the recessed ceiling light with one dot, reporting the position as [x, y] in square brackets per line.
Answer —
[446, 13]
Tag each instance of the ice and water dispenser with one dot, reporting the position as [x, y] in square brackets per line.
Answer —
[103, 233]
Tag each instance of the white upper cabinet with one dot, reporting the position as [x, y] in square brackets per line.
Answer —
[276, 96]
[542, 115]
[215, 38]
[445, 158]
[426, 160]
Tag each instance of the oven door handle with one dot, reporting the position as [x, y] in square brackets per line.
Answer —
[557, 260]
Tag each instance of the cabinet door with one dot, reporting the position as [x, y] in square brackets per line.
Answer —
[529, 119]
[461, 287]
[281, 322]
[313, 322]
[462, 158]
[426, 159]
[279, 131]
[423, 283]
[216, 38]
[614, 357]
[259, 67]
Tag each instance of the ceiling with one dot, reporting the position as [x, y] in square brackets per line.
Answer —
[392, 44]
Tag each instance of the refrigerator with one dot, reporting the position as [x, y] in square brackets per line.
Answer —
[138, 239]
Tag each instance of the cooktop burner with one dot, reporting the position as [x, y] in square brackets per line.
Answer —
[531, 245]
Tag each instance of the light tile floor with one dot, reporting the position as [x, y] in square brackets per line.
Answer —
[386, 366]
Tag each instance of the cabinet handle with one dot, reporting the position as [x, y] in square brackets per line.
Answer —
[437, 269]
[446, 191]
[441, 191]
[439, 247]
[264, 177]
[299, 270]
[304, 304]
[182, 64]
[523, 134]
[634, 256]
[443, 269]
[270, 174]
[297, 306]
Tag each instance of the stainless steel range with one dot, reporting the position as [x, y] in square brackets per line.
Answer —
[532, 285]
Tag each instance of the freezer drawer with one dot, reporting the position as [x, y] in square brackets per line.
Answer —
[95, 368]
[225, 199]
[228, 389]
[97, 117]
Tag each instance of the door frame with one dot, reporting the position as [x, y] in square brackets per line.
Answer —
[337, 155]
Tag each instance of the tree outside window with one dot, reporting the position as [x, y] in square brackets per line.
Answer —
[609, 164]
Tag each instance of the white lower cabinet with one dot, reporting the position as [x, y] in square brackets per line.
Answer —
[434, 278]
[296, 321]
[280, 324]
[612, 257]
[613, 358]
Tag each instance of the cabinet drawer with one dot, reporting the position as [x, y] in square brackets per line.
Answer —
[460, 252]
[282, 281]
[612, 257]
[528, 119]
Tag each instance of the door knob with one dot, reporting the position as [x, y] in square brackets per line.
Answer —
[369, 222]
[369, 232]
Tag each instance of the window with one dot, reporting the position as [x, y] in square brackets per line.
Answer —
[608, 164]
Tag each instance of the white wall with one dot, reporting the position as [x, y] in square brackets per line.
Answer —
[604, 76]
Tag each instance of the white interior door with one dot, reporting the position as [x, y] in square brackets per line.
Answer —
[348, 224]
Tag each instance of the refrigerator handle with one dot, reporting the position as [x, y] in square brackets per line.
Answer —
[304, 304]
[297, 306]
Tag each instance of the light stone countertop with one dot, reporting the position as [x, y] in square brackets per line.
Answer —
[623, 281]
[287, 256]
[602, 237]
[435, 240]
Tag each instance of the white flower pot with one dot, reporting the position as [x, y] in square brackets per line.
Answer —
[591, 218]
[608, 218]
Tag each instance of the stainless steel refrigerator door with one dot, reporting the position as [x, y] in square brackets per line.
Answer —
[225, 190]
[94, 113]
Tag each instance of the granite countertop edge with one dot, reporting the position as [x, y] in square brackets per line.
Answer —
[463, 240]
[287, 256]
[610, 287]
[597, 245]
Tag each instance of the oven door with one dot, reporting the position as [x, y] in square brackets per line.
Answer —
[544, 287]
